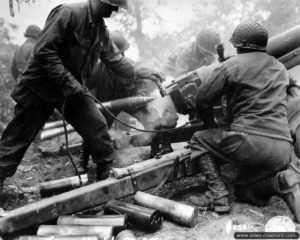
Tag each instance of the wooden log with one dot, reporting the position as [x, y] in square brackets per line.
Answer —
[92, 195]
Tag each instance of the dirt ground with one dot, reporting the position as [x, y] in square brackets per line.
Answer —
[35, 168]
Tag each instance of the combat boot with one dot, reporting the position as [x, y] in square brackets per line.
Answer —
[155, 146]
[288, 188]
[285, 184]
[82, 164]
[216, 197]
[165, 144]
[104, 166]
[103, 170]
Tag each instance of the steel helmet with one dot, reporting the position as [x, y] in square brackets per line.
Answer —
[117, 3]
[32, 31]
[250, 35]
[208, 40]
[120, 41]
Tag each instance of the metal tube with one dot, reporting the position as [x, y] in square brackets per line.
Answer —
[80, 237]
[62, 185]
[126, 235]
[284, 42]
[138, 216]
[177, 212]
[103, 232]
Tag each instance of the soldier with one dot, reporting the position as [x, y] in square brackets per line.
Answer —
[257, 135]
[73, 39]
[107, 85]
[186, 57]
[189, 56]
[22, 54]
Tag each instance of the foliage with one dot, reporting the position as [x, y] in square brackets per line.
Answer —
[6, 81]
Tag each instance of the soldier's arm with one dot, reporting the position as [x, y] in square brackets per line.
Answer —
[46, 51]
[214, 79]
[182, 64]
[112, 58]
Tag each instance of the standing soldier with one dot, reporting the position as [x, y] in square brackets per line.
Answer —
[257, 136]
[22, 54]
[74, 38]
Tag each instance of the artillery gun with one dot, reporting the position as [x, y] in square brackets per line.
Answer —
[153, 172]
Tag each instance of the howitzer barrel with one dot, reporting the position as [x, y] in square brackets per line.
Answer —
[177, 212]
[103, 232]
[80, 237]
[284, 42]
[126, 235]
[145, 218]
[62, 185]
[123, 104]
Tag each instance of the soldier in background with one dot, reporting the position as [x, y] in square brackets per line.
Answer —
[107, 85]
[23, 52]
[257, 137]
[191, 55]
[184, 58]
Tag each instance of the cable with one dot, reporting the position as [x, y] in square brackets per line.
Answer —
[137, 129]
[67, 143]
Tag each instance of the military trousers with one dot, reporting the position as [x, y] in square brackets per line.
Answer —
[31, 113]
[257, 156]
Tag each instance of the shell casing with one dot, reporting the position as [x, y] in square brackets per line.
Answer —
[177, 212]
[79, 237]
[118, 222]
[103, 232]
[126, 235]
[138, 216]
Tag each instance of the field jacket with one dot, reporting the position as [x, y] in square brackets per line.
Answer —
[68, 50]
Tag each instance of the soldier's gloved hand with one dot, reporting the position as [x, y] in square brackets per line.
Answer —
[146, 73]
[71, 86]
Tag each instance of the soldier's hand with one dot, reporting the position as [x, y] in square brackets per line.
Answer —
[146, 73]
[71, 87]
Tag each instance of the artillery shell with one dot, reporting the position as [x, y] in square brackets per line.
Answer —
[103, 232]
[177, 212]
[80, 237]
[145, 218]
[118, 222]
[62, 185]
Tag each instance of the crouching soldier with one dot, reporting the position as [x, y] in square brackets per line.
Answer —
[257, 136]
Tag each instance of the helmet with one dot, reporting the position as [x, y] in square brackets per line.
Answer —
[117, 3]
[250, 35]
[32, 31]
[120, 41]
[208, 40]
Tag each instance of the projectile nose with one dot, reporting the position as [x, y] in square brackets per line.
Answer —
[148, 99]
